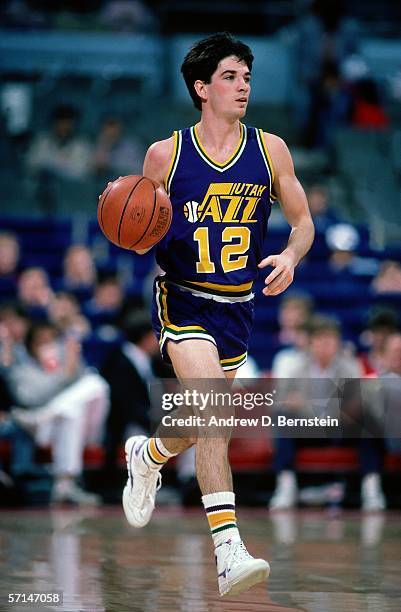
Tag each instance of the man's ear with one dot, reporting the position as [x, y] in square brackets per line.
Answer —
[201, 89]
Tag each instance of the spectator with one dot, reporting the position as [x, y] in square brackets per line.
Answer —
[14, 323]
[343, 241]
[34, 290]
[128, 367]
[322, 36]
[80, 272]
[107, 299]
[325, 363]
[382, 324]
[288, 360]
[368, 112]
[388, 278]
[127, 16]
[59, 160]
[115, 152]
[64, 311]
[330, 107]
[9, 256]
[65, 405]
[295, 311]
[61, 151]
[391, 389]
[318, 199]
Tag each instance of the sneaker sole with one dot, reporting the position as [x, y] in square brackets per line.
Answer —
[249, 579]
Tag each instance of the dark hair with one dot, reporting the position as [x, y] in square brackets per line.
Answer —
[64, 111]
[35, 329]
[204, 56]
[136, 324]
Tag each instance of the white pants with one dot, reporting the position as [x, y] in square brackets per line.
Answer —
[73, 418]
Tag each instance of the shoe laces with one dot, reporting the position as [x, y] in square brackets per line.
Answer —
[238, 553]
[149, 490]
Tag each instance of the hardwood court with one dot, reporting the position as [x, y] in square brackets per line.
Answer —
[320, 563]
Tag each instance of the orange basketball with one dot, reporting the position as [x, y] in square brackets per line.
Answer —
[134, 212]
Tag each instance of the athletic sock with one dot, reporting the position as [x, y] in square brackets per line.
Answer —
[220, 512]
[155, 454]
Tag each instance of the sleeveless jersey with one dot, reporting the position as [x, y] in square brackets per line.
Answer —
[220, 214]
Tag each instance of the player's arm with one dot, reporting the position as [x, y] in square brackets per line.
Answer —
[156, 165]
[296, 210]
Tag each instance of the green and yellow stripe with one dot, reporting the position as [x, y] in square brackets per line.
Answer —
[232, 363]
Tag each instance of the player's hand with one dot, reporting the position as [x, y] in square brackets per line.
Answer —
[282, 275]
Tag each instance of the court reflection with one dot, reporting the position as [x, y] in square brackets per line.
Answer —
[320, 562]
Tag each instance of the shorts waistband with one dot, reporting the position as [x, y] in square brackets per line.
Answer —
[217, 292]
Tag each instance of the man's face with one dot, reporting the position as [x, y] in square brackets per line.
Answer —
[229, 88]
[392, 354]
[324, 347]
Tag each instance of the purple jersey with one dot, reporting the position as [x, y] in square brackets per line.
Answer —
[220, 214]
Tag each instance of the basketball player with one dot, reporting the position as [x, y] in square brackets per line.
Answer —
[222, 178]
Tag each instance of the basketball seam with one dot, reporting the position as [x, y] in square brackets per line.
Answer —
[125, 207]
[101, 207]
[150, 220]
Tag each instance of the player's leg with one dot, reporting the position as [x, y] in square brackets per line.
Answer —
[199, 360]
[237, 570]
[192, 359]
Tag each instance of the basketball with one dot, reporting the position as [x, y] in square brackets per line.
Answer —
[134, 212]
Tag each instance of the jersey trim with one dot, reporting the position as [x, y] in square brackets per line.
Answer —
[243, 290]
[268, 162]
[174, 160]
[220, 167]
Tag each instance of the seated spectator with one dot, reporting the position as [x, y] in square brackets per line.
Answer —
[79, 271]
[295, 310]
[127, 16]
[324, 363]
[22, 462]
[107, 299]
[14, 324]
[287, 360]
[368, 111]
[318, 199]
[64, 311]
[383, 322]
[34, 290]
[63, 404]
[9, 258]
[115, 153]
[59, 160]
[343, 240]
[129, 367]
[391, 381]
[60, 151]
[330, 107]
[388, 278]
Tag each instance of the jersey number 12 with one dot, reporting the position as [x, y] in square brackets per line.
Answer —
[232, 255]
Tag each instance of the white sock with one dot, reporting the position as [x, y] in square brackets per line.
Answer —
[220, 512]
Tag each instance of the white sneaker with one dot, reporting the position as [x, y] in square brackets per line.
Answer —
[286, 492]
[237, 570]
[142, 484]
[372, 496]
[70, 493]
